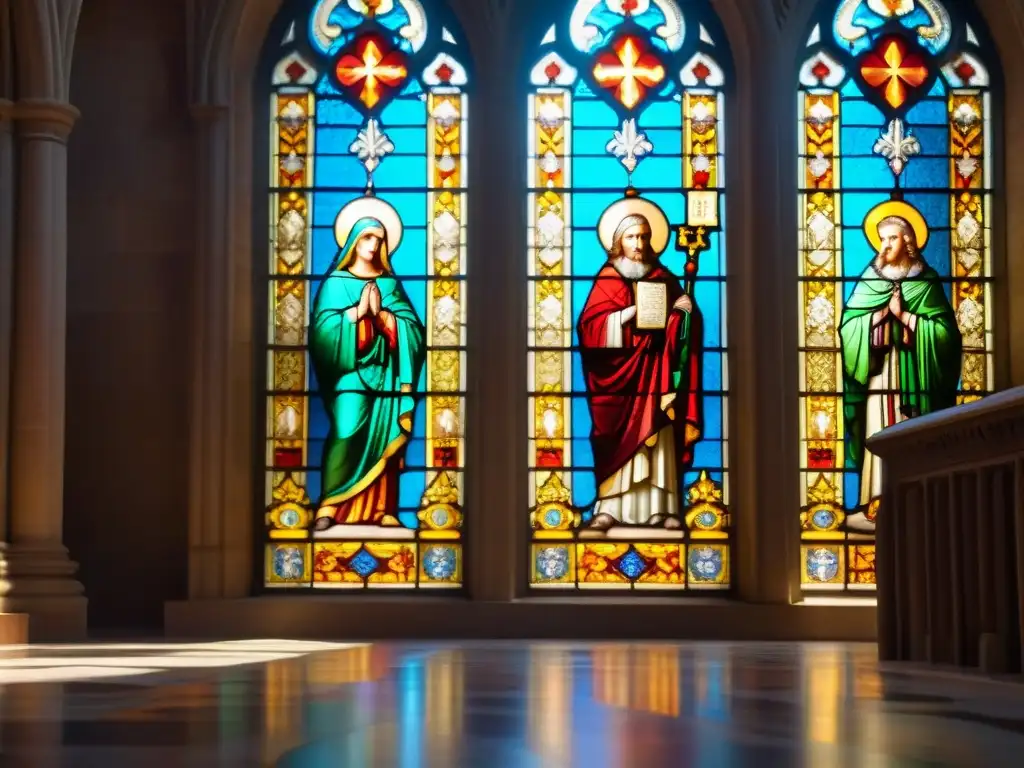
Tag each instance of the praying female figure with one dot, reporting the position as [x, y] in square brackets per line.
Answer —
[368, 350]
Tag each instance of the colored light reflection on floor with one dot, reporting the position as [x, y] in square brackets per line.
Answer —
[302, 705]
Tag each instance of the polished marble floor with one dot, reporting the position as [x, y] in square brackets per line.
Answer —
[314, 705]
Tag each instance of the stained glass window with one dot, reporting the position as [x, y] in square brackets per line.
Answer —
[628, 373]
[895, 112]
[365, 356]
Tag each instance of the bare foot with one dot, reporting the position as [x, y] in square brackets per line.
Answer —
[602, 522]
[672, 523]
[323, 523]
[860, 523]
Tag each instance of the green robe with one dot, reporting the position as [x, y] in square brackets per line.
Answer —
[929, 366]
[370, 396]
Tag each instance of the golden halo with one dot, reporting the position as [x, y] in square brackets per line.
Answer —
[901, 210]
[631, 206]
[369, 208]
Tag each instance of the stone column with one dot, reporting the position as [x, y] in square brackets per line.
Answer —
[210, 335]
[6, 274]
[762, 312]
[496, 470]
[36, 574]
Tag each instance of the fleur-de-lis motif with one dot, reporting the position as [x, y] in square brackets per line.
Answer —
[897, 145]
[629, 145]
[371, 146]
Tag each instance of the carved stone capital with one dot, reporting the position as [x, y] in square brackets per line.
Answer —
[45, 119]
[45, 31]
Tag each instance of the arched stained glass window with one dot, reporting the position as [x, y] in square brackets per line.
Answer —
[365, 346]
[895, 113]
[628, 373]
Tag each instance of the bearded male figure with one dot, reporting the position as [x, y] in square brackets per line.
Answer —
[901, 346]
[642, 382]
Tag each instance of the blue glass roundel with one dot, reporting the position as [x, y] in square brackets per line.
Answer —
[553, 517]
[707, 519]
[706, 563]
[440, 517]
[822, 565]
[552, 563]
[289, 563]
[824, 518]
[439, 563]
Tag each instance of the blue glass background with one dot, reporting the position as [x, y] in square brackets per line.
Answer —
[401, 180]
[598, 181]
[867, 181]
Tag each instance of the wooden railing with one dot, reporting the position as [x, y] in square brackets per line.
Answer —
[950, 537]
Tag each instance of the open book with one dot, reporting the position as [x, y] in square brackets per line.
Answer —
[651, 305]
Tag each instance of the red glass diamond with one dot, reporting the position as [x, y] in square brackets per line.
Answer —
[965, 71]
[701, 179]
[701, 71]
[821, 70]
[628, 6]
[295, 71]
[552, 71]
[444, 73]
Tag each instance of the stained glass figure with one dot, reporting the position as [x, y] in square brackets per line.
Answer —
[367, 257]
[628, 364]
[895, 109]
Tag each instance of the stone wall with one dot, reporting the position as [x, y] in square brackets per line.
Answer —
[131, 221]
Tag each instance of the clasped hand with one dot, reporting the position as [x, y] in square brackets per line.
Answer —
[684, 304]
[896, 304]
[369, 301]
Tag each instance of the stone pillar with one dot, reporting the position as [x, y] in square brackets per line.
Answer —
[762, 310]
[13, 626]
[36, 574]
[6, 275]
[210, 351]
[496, 473]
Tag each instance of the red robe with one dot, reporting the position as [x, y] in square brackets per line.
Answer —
[626, 386]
